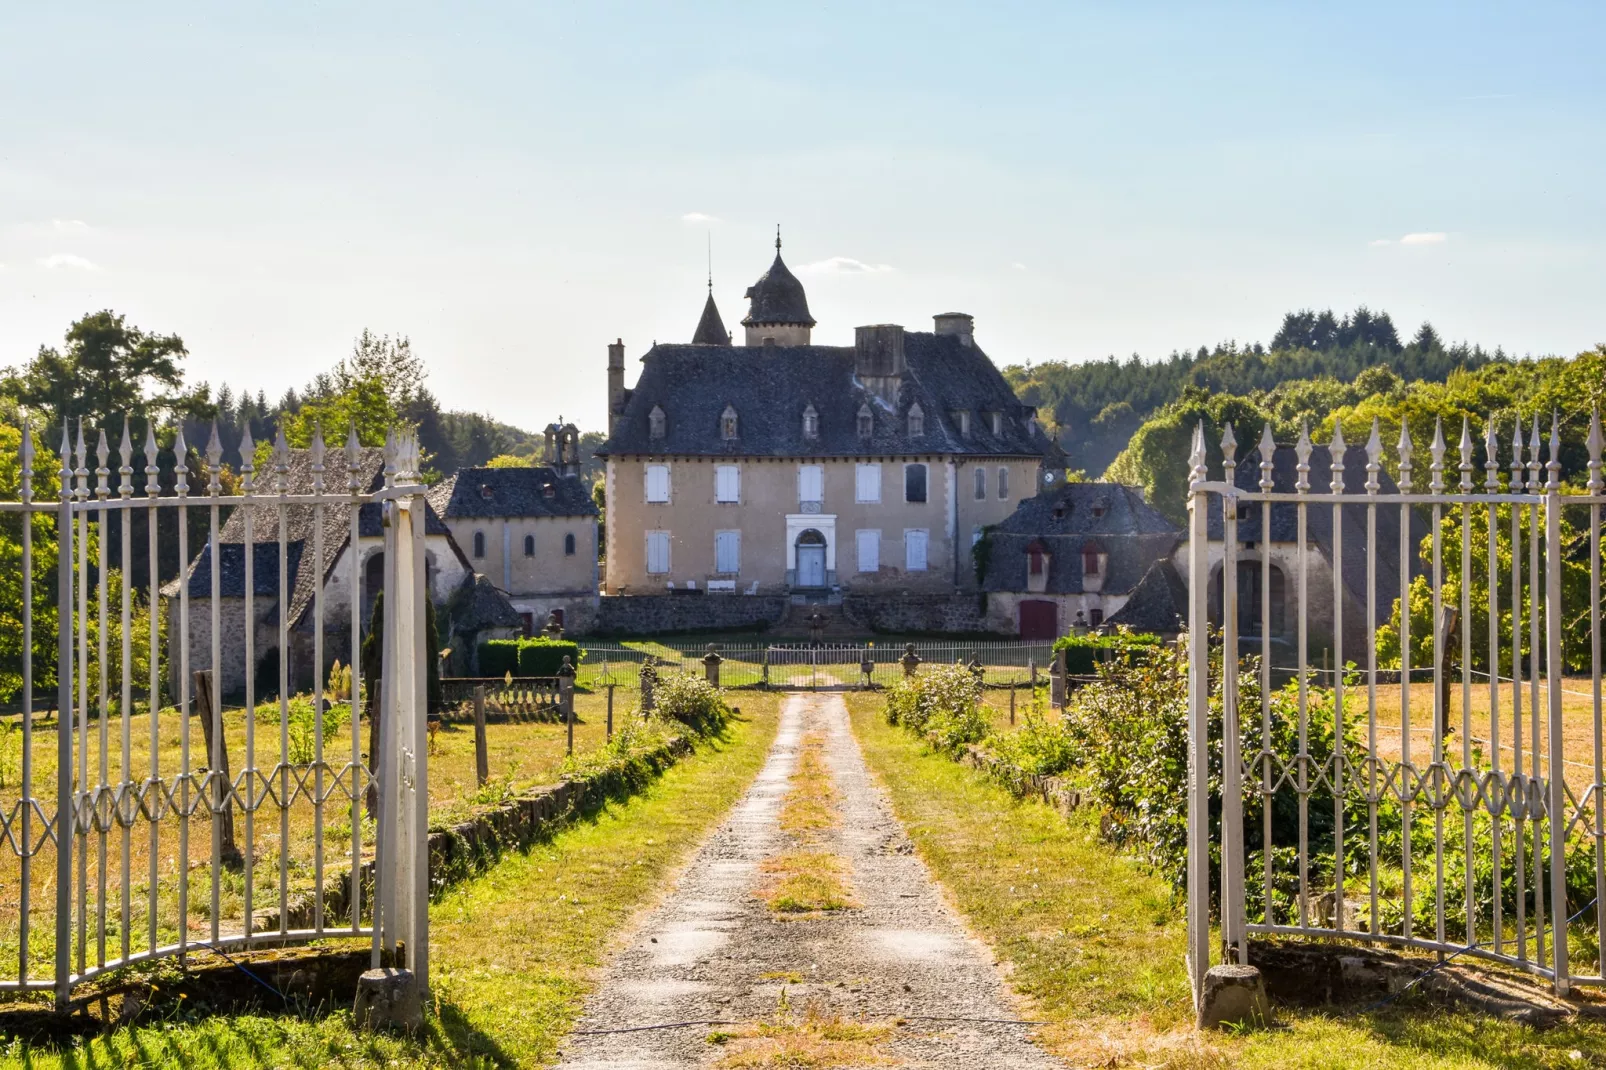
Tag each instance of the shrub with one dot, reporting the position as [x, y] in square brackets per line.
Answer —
[498, 657]
[941, 703]
[1084, 653]
[542, 656]
[1037, 748]
[691, 700]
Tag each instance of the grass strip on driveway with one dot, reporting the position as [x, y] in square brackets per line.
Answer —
[1095, 943]
[513, 949]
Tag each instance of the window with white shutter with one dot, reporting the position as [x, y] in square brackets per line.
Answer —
[727, 483]
[868, 543]
[657, 483]
[810, 483]
[727, 551]
[914, 549]
[1003, 482]
[657, 552]
[981, 483]
[867, 483]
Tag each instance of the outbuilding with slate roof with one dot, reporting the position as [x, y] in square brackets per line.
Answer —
[531, 530]
[787, 467]
[446, 566]
[1073, 557]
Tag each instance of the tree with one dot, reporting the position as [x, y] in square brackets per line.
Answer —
[107, 370]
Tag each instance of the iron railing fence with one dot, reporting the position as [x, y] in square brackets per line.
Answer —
[118, 822]
[823, 666]
[1463, 813]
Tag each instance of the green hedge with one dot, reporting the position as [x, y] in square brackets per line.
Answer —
[539, 656]
[1083, 653]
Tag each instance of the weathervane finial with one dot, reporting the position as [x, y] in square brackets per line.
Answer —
[710, 263]
[777, 239]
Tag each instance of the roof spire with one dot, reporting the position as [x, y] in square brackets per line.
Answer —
[710, 263]
[777, 239]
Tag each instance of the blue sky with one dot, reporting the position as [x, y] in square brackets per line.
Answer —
[515, 185]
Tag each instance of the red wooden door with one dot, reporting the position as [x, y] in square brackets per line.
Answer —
[1039, 620]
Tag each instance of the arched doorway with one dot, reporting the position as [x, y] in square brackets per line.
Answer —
[1249, 599]
[811, 559]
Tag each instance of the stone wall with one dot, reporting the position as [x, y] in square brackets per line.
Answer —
[920, 613]
[659, 614]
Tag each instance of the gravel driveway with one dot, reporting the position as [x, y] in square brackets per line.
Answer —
[711, 952]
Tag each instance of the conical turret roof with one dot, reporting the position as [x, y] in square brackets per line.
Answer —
[777, 296]
[710, 329]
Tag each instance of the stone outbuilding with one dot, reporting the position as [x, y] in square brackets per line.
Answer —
[1073, 557]
[532, 531]
[446, 566]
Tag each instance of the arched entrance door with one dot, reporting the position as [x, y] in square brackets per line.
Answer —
[811, 559]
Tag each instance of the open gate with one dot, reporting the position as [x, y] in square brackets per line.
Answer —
[228, 812]
[1435, 780]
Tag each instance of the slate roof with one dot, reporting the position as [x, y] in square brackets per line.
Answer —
[1159, 603]
[511, 492]
[478, 603]
[770, 386]
[1132, 534]
[1319, 519]
[300, 528]
[710, 329]
[777, 297]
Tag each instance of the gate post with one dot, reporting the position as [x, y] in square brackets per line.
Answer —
[1558, 784]
[64, 724]
[1198, 713]
[1234, 945]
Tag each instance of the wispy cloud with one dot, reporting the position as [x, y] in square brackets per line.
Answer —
[843, 265]
[70, 226]
[69, 261]
[699, 217]
[1018, 266]
[1425, 237]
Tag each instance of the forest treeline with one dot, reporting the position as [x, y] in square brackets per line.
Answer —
[1095, 408]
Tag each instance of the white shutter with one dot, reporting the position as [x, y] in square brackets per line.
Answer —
[727, 483]
[657, 483]
[914, 549]
[657, 552]
[727, 551]
[868, 483]
[869, 547]
[810, 483]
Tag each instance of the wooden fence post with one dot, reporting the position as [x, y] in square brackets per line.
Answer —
[217, 752]
[482, 759]
[566, 696]
[610, 711]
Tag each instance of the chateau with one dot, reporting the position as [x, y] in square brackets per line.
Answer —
[785, 467]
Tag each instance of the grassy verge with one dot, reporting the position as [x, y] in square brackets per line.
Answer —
[1096, 944]
[513, 949]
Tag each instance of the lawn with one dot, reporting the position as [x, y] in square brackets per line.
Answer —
[513, 949]
[1094, 943]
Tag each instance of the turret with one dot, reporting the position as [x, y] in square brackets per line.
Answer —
[778, 309]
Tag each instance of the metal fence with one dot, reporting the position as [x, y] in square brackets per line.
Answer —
[816, 666]
[119, 821]
[1475, 826]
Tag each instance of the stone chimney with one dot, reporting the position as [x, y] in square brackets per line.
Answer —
[616, 382]
[878, 359]
[959, 324]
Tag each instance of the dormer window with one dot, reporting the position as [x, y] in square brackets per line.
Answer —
[866, 421]
[1092, 560]
[811, 423]
[1099, 508]
[961, 419]
[655, 422]
[485, 492]
[917, 421]
[548, 491]
[998, 423]
[727, 424]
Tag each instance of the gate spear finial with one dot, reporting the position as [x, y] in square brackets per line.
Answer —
[1268, 447]
[1374, 458]
[214, 462]
[125, 463]
[1516, 458]
[102, 473]
[1553, 466]
[1336, 452]
[248, 464]
[1491, 462]
[1302, 450]
[1466, 455]
[1405, 449]
[1594, 444]
[1436, 449]
[181, 464]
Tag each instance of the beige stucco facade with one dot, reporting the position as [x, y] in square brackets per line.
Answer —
[870, 531]
[550, 564]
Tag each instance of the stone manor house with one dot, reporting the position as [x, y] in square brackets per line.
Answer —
[782, 467]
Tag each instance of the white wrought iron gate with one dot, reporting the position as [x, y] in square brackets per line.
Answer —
[1437, 783]
[184, 812]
